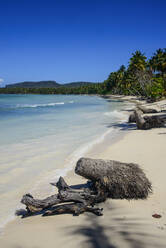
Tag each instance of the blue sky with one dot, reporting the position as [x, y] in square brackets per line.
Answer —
[75, 40]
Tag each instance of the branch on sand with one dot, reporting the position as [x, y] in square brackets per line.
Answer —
[108, 179]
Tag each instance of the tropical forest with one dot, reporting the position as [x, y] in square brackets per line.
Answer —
[142, 77]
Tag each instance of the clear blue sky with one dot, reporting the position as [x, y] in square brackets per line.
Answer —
[74, 40]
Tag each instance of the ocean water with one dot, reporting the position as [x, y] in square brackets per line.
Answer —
[42, 137]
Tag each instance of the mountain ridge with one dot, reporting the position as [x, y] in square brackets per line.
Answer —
[46, 84]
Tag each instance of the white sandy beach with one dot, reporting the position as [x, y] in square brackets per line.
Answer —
[124, 223]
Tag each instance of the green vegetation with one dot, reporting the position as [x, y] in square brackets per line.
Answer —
[45, 84]
[142, 77]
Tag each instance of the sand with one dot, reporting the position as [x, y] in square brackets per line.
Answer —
[124, 223]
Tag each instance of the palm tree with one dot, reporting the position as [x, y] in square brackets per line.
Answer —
[158, 61]
[137, 62]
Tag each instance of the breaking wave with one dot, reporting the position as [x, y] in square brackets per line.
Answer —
[117, 114]
[39, 105]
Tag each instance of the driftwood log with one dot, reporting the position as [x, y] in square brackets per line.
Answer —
[116, 179]
[148, 122]
[146, 110]
[108, 178]
[75, 208]
[84, 198]
[140, 121]
[132, 118]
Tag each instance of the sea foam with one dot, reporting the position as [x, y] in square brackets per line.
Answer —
[38, 146]
[39, 105]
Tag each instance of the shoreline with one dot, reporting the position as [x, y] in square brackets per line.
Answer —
[124, 222]
[109, 137]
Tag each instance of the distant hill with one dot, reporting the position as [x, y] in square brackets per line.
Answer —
[46, 84]
[40, 84]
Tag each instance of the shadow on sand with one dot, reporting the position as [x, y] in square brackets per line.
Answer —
[123, 126]
[114, 231]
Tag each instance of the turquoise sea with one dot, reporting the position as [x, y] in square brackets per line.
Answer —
[41, 138]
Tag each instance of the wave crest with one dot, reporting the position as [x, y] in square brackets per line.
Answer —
[116, 114]
[39, 105]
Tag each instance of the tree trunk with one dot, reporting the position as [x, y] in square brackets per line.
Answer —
[146, 110]
[155, 121]
[132, 118]
[108, 179]
[74, 208]
[148, 122]
[35, 205]
[140, 121]
[114, 179]
[66, 194]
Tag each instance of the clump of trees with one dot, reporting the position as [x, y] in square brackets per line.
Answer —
[94, 88]
[142, 77]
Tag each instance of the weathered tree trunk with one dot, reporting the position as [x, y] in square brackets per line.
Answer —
[154, 121]
[66, 194]
[108, 179]
[74, 208]
[35, 205]
[146, 110]
[62, 185]
[79, 197]
[132, 118]
[95, 169]
[148, 122]
[115, 179]
[140, 121]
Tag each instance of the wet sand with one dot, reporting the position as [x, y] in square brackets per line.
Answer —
[124, 223]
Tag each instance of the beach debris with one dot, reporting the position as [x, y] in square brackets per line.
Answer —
[74, 208]
[115, 179]
[157, 216]
[132, 118]
[146, 110]
[84, 200]
[108, 179]
[148, 122]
